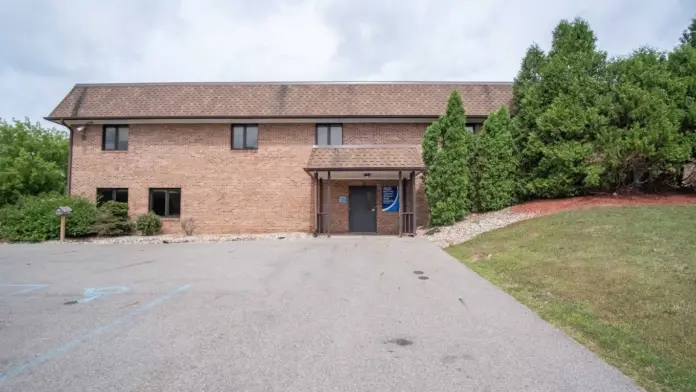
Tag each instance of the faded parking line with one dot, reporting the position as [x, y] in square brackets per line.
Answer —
[62, 349]
[24, 288]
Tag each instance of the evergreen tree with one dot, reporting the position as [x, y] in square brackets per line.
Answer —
[526, 111]
[643, 142]
[565, 106]
[494, 166]
[682, 63]
[446, 156]
[527, 77]
[689, 35]
[431, 142]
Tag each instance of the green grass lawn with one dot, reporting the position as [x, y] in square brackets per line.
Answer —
[621, 280]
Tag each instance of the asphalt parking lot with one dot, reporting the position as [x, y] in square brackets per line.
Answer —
[338, 314]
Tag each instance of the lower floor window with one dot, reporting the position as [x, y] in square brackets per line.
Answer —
[112, 194]
[166, 202]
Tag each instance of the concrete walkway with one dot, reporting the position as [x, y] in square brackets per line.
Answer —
[338, 314]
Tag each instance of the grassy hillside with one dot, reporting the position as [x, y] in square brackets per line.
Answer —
[621, 280]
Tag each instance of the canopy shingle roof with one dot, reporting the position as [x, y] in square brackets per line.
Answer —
[230, 100]
[382, 157]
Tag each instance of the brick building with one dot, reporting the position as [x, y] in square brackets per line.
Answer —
[262, 157]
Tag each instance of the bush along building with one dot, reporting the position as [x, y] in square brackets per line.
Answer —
[329, 158]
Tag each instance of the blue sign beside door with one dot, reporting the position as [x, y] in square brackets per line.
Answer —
[390, 199]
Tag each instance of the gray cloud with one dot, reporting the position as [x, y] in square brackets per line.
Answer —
[49, 45]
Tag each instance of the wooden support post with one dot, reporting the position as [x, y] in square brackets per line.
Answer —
[413, 200]
[317, 207]
[62, 228]
[328, 229]
[321, 205]
[401, 204]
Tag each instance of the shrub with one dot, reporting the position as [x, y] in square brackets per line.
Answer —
[33, 218]
[188, 225]
[113, 220]
[149, 224]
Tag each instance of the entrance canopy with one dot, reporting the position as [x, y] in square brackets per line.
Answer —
[366, 162]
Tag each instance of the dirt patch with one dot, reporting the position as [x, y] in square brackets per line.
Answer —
[573, 203]
[481, 256]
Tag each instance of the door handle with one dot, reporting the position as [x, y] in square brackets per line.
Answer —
[373, 209]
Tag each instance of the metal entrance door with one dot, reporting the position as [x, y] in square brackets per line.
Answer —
[362, 209]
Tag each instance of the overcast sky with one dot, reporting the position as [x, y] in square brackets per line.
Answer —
[46, 46]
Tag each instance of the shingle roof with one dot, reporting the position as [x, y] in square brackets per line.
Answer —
[200, 100]
[365, 157]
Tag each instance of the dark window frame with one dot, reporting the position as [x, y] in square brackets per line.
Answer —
[166, 201]
[117, 127]
[475, 127]
[113, 194]
[328, 134]
[244, 136]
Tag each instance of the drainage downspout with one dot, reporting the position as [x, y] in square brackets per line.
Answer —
[70, 149]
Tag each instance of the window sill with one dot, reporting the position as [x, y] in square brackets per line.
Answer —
[115, 151]
[170, 218]
[247, 150]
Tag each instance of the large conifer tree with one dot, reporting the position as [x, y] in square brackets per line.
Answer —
[446, 148]
[564, 114]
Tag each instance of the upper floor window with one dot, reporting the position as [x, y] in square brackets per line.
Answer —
[329, 135]
[112, 194]
[245, 137]
[115, 137]
[473, 127]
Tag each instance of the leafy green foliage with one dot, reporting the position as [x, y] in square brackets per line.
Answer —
[33, 218]
[689, 35]
[682, 64]
[33, 160]
[446, 148]
[526, 109]
[113, 220]
[643, 142]
[585, 123]
[527, 77]
[149, 224]
[560, 114]
[494, 164]
[432, 142]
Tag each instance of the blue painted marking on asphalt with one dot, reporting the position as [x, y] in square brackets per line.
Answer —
[26, 287]
[62, 349]
[94, 293]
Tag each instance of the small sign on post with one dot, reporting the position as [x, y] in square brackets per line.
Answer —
[63, 212]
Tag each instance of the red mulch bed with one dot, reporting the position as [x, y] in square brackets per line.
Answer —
[550, 206]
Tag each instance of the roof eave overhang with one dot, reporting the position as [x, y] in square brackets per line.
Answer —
[363, 169]
[245, 119]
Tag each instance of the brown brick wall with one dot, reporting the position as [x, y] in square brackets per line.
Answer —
[224, 190]
[383, 133]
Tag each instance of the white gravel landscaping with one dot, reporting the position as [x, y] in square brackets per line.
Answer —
[177, 239]
[472, 226]
[444, 237]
